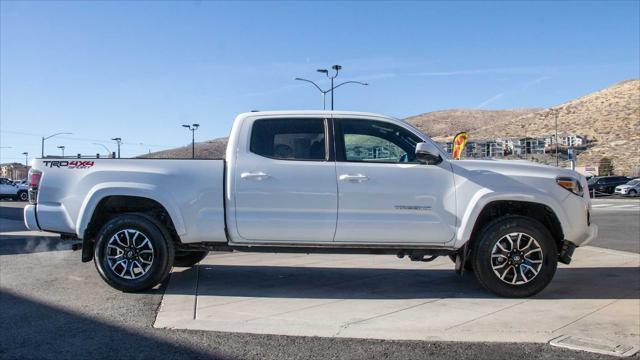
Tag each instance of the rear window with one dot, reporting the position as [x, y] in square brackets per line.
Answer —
[289, 139]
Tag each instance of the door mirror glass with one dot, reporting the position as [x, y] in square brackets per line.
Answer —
[427, 153]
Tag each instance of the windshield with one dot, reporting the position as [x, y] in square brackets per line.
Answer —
[634, 182]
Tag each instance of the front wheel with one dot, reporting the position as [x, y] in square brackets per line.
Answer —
[133, 252]
[632, 193]
[514, 257]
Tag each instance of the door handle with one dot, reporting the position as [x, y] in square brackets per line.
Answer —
[258, 175]
[353, 178]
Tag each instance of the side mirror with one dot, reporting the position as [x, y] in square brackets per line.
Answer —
[427, 153]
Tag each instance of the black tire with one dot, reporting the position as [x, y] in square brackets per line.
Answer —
[162, 250]
[189, 258]
[631, 192]
[23, 195]
[482, 260]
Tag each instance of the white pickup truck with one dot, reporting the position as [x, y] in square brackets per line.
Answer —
[316, 181]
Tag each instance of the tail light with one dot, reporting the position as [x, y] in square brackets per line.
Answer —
[34, 179]
[34, 183]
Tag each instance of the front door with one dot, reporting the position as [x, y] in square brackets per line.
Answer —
[285, 185]
[385, 195]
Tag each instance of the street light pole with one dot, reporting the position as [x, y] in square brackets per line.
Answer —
[49, 137]
[26, 158]
[193, 128]
[61, 147]
[324, 92]
[118, 141]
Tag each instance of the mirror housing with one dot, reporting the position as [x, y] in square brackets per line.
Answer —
[427, 153]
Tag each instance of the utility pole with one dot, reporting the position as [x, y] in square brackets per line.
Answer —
[118, 141]
[524, 127]
[26, 158]
[61, 147]
[337, 69]
[49, 137]
[192, 128]
[555, 112]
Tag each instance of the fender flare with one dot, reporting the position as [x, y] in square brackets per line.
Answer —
[103, 190]
[485, 197]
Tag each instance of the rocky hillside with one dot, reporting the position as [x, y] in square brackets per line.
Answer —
[211, 149]
[447, 123]
[609, 117]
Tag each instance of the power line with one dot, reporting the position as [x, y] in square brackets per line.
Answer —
[85, 139]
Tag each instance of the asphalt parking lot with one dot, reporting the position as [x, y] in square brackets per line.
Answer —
[53, 306]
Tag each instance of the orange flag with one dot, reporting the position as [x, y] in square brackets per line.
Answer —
[459, 141]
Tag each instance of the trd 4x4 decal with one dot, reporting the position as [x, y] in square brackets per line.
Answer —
[73, 164]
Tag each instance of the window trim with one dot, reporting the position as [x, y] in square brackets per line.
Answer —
[328, 155]
[340, 148]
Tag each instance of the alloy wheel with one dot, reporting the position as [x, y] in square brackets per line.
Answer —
[516, 258]
[129, 254]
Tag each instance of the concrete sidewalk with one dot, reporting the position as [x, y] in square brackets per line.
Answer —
[382, 297]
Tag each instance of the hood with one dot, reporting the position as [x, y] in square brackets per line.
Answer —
[517, 168]
[623, 186]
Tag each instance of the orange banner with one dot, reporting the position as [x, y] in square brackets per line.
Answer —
[459, 141]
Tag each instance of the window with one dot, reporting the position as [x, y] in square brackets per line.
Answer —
[377, 141]
[289, 139]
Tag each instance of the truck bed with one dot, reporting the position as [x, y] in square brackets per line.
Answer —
[192, 192]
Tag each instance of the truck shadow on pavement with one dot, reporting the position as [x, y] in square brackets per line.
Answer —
[11, 213]
[32, 329]
[359, 283]
[20, 244]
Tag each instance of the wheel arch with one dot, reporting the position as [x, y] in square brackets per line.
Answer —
[104, 202]
[533, 210]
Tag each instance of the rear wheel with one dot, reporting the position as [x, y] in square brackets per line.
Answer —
[189, 258]
[23, 195]
[514, 256]
[133, 252]
[632, 192]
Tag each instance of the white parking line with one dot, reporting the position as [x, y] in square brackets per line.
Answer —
[616, 207]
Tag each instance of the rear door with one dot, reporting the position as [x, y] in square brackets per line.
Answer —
[285, 182]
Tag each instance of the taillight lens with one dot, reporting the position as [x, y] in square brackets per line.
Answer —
[34, 179]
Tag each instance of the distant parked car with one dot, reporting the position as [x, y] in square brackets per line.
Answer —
[10, 190]
[21, 184]
[632, 188]
[606, 184]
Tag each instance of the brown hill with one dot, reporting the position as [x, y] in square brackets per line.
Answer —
[447, 123]
[609, 117]
[211, 149]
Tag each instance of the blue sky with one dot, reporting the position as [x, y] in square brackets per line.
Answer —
[140, 69]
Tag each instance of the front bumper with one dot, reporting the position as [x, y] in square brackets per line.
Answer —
[589, 235]
[30, 218]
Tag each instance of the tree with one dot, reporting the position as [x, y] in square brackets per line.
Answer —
[605, 167]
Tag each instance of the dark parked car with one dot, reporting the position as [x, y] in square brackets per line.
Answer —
[606, 184]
